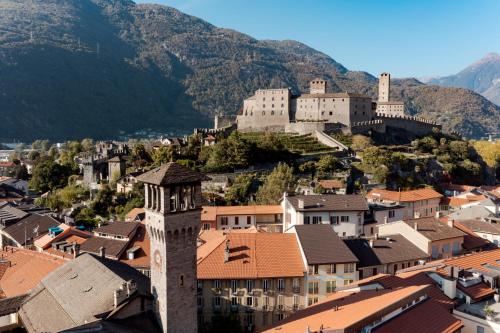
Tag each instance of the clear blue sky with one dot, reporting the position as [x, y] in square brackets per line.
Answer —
[404, 37]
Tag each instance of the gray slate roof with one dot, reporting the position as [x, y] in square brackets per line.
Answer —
[77, 292]
[482, 226]
[113, 247]
[397, 249]
[329, 202]
[171, 173]
[125, 229]
[9, 214]
[25, 228]
[11, 304]
[432, 229]
[322, 245]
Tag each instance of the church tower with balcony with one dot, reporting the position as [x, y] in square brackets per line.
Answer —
[173, 213]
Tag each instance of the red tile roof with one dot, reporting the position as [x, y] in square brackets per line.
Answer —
[252, 255]
[351, 311]
[23, 269]
[403, 196]
[425, 317]
[478, 291]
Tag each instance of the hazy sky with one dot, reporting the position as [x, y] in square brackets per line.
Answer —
[404, 37]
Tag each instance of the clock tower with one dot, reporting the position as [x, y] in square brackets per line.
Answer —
[173, 212]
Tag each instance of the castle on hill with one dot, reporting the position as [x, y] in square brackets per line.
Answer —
[279, 110]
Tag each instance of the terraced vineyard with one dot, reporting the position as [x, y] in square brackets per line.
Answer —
[300, 144]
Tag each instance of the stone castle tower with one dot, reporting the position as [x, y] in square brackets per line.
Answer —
[317, 86]
[173, 213]
[384, 87]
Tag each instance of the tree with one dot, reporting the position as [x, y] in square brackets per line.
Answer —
[103, 201]
[361, 142]
[140, 157]
[20, 172]
[88, 145]
[238, 192]
[279, 181]
[49, 175]
[327, 163]
[162, 155]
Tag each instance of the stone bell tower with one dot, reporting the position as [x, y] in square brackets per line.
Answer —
[384, 87]
[173, 213]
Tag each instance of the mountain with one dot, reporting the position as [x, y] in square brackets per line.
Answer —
[482, 77]
[104, 68]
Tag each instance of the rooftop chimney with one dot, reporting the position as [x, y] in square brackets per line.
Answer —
[76, 250]
[385, 219]
[102, 252]
[416, 226]
[371, 243]
[451, 223]
[376, 235]
[301, 204]
[226, 251]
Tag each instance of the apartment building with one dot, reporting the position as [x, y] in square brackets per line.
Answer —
[330, 263]
[258, 277]
[385, 255]
[344, 213]
[437, 239]
[381, 213]
[418, 203]
[266, 217]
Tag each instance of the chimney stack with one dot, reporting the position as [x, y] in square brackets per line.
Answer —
[451, 223]
[416, 226]
[102, 252]
[301, 204]
[376, 235]
[385, 219]
[226, 251]
[371, 243]
[76, 250]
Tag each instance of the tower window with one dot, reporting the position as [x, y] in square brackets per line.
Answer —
[181, 280]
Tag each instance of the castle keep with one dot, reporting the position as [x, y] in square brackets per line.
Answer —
[279, 110]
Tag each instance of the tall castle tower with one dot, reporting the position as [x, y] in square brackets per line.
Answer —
[384, 87]
[173, 213]
[317, 86]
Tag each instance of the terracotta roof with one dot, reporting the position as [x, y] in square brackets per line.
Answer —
[125, 229]
[478, 291]
[23, 269]
[140, 243]
[432, 229]
[476, 260]
[349, 311]
[331, 183]
[210, 213]
[132, 215]
[253, 255]
[69, 234]
[458, 202]
[456, 187]
[329, 202]
[426, 317]
[322, 245]
[171, 173]
[384, 251]
[404, 196]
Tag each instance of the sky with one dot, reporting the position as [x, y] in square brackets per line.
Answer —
[406, 37]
